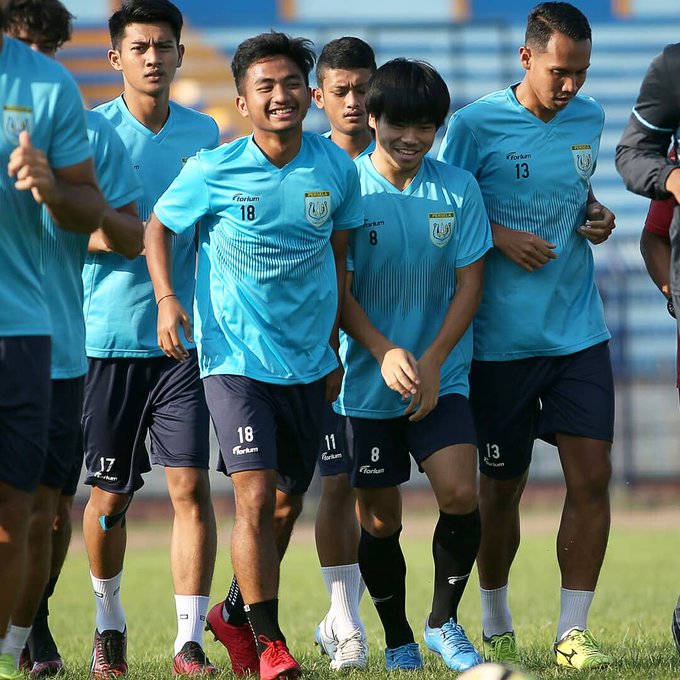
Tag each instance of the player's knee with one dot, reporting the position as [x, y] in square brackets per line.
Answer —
[460, 499]
[337, 490]
[501, 495]
[288, 509]
[191, 489]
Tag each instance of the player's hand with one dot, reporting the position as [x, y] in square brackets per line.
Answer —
[525, 249]
[171, 315]
[32, 171]
[334, 383]
[426, 397]
[600, 222]
[399, 371]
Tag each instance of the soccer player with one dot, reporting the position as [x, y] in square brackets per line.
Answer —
[343, 70]
[541, 358]
[45, 25]
[45, 160]
[279, 205]
[131, 388]
[413, 285]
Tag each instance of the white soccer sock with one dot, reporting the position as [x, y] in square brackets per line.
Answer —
[344, 585]
[110, 614]
[574, 606]
[191, 613]
[496, 615]
[15, 640]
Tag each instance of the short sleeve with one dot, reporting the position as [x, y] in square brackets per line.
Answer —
[186, 200]
[474, 231]
[459, 146]
[69, 144]
[350, 213]
[660, 216]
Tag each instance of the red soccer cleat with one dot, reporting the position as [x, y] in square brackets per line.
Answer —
[191, 660]
[277, 662]
[108, 655]
[239, 641]
[46, 669]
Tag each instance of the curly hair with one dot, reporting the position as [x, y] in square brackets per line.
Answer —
[48, 19]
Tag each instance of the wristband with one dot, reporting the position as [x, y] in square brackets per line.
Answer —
[163, 298]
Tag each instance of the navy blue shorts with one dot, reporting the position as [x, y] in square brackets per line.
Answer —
[380, 448]
[73, 479]
[64, 442]
[25, 390]
[262, 426]
[333, 456]
[127, 398]
[515, 402]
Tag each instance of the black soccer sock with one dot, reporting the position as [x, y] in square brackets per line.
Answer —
[43, 610]
[383, 569]
[455, 544]
[232, 611]
[264, 620]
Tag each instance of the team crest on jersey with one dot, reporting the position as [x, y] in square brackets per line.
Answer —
[16, 119]
[583, 159]
[441, 227]
[317, 207]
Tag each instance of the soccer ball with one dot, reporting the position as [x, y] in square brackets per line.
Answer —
[495, 671]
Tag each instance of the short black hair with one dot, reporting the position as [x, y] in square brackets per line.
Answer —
[144, 12]
[408, 91]
[347, 53]
[555, 17]
[48, 19]
[273, 44]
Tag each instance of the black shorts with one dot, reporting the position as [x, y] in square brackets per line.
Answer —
[333, 456]
[25, 390]
[127, 398]
[380, 448]
[64, 442]
[263, 426]
[515, 402]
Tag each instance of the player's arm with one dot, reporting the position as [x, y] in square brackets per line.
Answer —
[641, 153]
[71, 193]
[398, 366]
[527, 250]
[120, 231]
[171, 314]
[600, 221]
[461, 311]
[655, 244]
[339, 240]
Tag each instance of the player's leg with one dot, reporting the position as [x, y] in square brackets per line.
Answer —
[503, 396]
[115, 413]
[179, 435]
[581, 402]
[24, 416]
[380, 463]
[337, 534]
[445, 446]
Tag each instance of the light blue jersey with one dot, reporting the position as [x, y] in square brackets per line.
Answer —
[38, 95]
[120, 308]
[266, 295]
[534, 177]
[404, 261]
[366, 152]
[65, 251]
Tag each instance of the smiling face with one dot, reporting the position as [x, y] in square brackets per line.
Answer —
[400, 148]
[148, 57]
[554, 76]
[274, 96]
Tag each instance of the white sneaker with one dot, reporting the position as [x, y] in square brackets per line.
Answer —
[325, 638]
[351, 652]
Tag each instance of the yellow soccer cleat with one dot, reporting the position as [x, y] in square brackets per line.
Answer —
[579, 649]
[500, 648]
[8, 669]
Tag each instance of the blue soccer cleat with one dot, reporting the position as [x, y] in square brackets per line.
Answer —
[451, 643]
[404, 658]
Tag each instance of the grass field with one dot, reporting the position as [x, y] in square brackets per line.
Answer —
[630, 615]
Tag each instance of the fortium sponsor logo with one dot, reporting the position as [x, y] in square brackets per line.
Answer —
[515, 156]
[368, 470]
[243, 450]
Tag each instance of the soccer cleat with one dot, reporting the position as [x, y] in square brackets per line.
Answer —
[45, 669]
[191, 660]
[8, 669]
[451, 643]
[675, 625]
[108, 655]
[325, 638]
[352, 652]
[43, 651]
[239, 641]
[25, 661]
[501, 648]
[579, 649]
[276, 661]
[404, 658]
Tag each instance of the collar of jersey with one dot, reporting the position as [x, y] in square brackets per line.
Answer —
[157, 137]
[386, 184]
